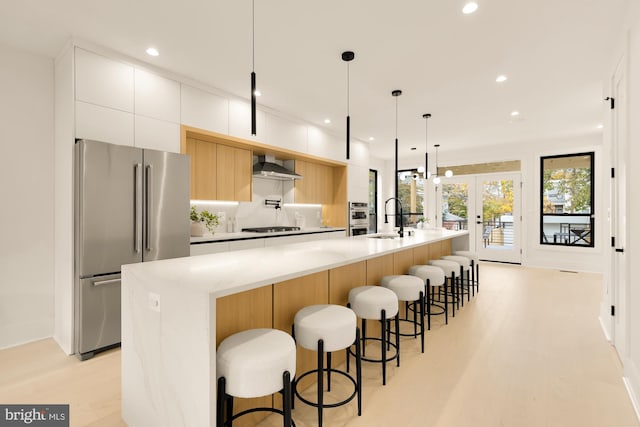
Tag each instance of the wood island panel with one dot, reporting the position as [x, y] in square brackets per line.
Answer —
[421, 255]
[379, 267]
[343, 279]
[239, 312]
[289, 297]
[402, 261]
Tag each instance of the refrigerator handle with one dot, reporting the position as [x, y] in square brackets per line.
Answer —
[137, 208]
[149, 205]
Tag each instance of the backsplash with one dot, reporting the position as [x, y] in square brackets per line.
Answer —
[256, 214]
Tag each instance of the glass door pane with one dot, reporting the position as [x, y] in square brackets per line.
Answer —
[455, 199]
[498, 238]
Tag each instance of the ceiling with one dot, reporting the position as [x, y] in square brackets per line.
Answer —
[553, 52]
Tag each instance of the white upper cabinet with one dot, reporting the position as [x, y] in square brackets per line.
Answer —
[322, 144]
[103, 124]
[156, 97]
[286, 134]
[240, 122]
[204, 110]
[157, 134]
[103, 81]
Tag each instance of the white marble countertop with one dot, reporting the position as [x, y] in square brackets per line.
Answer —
[233, 272]
[245, 235]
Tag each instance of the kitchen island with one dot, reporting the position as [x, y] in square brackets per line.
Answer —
[174, 312]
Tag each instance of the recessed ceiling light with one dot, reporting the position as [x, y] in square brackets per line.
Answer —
[152, 51]
[371, 138]
[470, 7]
[515, 113]
[600, 126]
[327, 121]
[258, 93]
[501, 78]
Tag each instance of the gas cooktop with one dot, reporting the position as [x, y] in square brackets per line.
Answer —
[272, 229]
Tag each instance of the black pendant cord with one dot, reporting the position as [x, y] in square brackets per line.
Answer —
[426, 144]
[396, 93]
[348, 115]
[253, 67]
[348, 56]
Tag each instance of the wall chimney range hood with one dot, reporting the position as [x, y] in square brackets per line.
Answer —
[266, 167]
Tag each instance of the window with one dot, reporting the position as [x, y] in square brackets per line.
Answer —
[411, 194]
[566, 200]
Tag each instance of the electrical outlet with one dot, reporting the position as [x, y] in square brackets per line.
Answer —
[222, 217]
[154, 301]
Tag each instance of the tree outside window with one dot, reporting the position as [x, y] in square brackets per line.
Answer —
[566, 199]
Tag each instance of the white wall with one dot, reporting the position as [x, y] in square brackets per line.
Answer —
[632, 252]
[26, 183]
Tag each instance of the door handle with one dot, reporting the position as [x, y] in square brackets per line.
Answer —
[620, 250]
[106, 282]
[149, 203]
[478, 222]
[137, 207]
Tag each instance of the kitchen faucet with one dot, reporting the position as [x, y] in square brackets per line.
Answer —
[386, 219]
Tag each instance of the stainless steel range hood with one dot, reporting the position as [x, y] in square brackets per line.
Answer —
[266, 167]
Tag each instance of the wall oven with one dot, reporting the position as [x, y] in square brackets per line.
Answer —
[358, 218]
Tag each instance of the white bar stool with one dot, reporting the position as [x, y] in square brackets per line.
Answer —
[377, 303]
[255, 363]
[409, 289]
[475, 268]
[465, 267]
[325, 328]
[433, 277]
[451, 271]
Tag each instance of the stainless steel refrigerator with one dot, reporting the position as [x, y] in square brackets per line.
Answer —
[131, 205]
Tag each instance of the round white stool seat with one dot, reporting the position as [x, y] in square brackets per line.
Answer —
[368, 301]
[434, 274]
[449, 267]
[462, 260]
[253, 361]
[335, 325]
[469, 254]
[406, 288]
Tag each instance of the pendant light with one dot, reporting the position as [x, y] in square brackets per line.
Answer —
[425, 169]
[253, 68]
[448, 173]
[396, 93]
[347, 57]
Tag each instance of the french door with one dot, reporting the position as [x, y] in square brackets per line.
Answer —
[488, 206]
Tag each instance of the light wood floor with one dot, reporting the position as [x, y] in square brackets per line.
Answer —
[527, 351]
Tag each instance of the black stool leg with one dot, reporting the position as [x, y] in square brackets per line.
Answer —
[398, 339]
[473, 276]
[287, 397]
[446, 302]
[364, 337]
[426, 289]
[358, 372]
[421, 321]
[229, 400]
[328, 371]
[383, 335]
[220, 402]
[320, 380]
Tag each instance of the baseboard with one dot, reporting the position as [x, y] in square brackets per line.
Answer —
[632, 384]
[604, 329]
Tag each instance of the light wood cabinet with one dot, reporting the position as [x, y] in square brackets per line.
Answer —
[316, 185]
[219, 172]
[234, 173]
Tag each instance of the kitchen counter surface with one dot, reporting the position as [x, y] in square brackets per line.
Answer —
[245, 235]
[232, 272]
